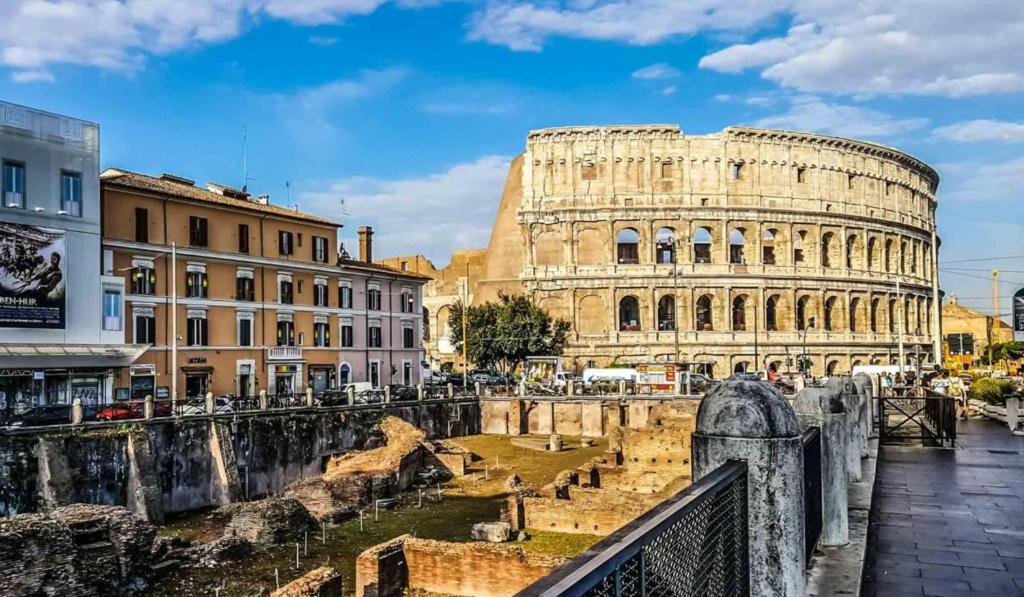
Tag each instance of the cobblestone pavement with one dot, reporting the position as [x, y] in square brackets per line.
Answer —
[949, 522]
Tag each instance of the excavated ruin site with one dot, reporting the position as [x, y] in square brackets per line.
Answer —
[475, 515]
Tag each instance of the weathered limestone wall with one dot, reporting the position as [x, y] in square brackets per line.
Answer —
[165, 466]
[565, 416]
[319, 582]
[601, 513]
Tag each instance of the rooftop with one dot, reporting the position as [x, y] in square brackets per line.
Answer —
[182, 188]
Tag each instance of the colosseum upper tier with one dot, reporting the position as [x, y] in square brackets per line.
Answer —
[742, 247]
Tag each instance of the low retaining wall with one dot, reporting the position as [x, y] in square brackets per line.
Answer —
[588, 417]
[166, 465]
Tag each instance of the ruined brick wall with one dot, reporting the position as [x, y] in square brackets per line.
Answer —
[26, 540]
[476, 569]
[606, 512]
[319, 582]
[381, 571]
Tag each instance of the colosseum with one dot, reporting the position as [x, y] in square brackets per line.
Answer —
[746, 248]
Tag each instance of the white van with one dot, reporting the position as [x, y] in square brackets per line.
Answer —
[609, 374]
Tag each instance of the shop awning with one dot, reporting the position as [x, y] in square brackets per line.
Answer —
[70, 356]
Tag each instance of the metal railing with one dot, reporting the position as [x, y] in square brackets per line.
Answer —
[812, 492]
[692, 544]
[914, 413]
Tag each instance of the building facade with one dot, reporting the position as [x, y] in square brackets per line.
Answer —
[61, 321]
[968, 333]
[264, 299]
[745, 248]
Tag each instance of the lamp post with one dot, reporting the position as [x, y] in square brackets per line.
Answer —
[803, 357]
[174, 328]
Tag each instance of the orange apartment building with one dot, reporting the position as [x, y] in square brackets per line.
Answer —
[265, 300]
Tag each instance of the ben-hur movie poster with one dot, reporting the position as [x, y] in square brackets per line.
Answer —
[32, 276]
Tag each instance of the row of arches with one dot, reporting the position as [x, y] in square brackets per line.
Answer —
[766, 245]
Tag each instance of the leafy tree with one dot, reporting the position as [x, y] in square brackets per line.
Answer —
[503, 333]
[1004, 351]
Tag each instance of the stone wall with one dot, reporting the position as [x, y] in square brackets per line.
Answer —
[319, 582]
[195, 462]
[601, 513]
[566, 416]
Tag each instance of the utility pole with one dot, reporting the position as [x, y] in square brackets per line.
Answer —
[899, 323]
[995, 315]
[675, 301]
[465, 337]
[174, 327]
[757, 355]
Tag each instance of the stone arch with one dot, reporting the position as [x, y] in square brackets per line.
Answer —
[803, 316]
[873, 320]
[590, 247]
[704, 313]
[444, 314]
[902, 258]
[738, 313]
[627, 246]
[667, 313]
[554, 307]
[858, 317]
[854, 252]
[888, 256]
[592, 315]
[768, 246]
[629, 314]
[800, 248]
[737, 246]
[830, 369]
[873, 255]
[665, 245]
[830, 314]
[771, 312]
[741, 367]
[702, 245]
[548, 249]
[891, 317]
[829, 252]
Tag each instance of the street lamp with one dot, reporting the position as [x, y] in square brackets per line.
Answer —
[803, 358]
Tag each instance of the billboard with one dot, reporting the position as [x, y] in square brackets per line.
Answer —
[1018, 315]
[33, 264]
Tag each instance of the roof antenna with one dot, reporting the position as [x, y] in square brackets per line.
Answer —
[245, 159]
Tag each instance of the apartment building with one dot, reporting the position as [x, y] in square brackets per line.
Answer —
[264, 298]
[61, 321]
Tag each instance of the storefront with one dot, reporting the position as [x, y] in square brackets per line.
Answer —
[284, 378]
[322, 378]
[143, 381]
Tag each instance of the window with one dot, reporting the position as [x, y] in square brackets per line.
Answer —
[320, 293]
[666, 169]
[665, 246]
[702, 246]
[802, 321]
[854, 308]
[344, 374]
[245, 288]
[195, 282]
[736, 243]
[852, 249]
[321, 334]
[284, 242]
[737, 171]
[801, 175]
[892, 316]
[667, 313]
[703, 312]
[408, 336]
[319, 249]
[874, 315]
[629, 314]
[798, 248]
[768, 247]
[375, 339]
[197, 329]
[143, 279]
[285, 295]
[145, 325]
[245, 320]
[71, 193]
[14, 185]
[771, 310]
[347, 340]
[141, 225]
[197, 231]
[830, 308]
[850, 179]
[628, 246]
[345, 295]
[408, 302]
[375, 374]
[407, 373]
[826, 250]
[285, 332]
[112, 310]
[243, 238]
[739, 314]
[373, 299]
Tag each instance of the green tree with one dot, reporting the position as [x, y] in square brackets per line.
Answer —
[1004, 351]
[503, 333]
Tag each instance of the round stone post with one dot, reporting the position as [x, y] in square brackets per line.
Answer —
[147, 407]
[843, 386]
[209, 403]
[387, 393]
[264, 403]
[451, 390]
[309, 397]
[351, 391]
[622, 387]
[77, 414]
[1012, 406]
[819, 407]
[476, 388]
[419, 391]
[862, 381]
[749, 420]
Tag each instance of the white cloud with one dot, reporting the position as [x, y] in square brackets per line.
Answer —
[661, 70]
[119, 35]
[323, 41]
[33, 76]
[809, 113]
[972, 131]
[671, 89]
[431, 214]
[723, 98]
[992, 183]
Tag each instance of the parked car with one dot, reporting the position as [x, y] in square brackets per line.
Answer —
[332, 398]
[57, 414]
[119, 411]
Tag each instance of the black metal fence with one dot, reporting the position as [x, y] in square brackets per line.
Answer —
[693, 544]
[915, 414]
[812, 491]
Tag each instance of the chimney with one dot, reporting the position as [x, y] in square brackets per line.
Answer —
[263, 200]
[365, 244]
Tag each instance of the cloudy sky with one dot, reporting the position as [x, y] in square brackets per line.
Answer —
[409, 110]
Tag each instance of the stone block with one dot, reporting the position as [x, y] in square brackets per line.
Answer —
[491, 532]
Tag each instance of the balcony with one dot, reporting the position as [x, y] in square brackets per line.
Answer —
[284, 353]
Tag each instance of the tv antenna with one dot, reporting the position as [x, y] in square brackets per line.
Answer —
[245, 159]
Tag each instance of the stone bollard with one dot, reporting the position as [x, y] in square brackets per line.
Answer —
[476, 388]
[749, 420]
[264, 403]
[419, 391]
[351, 391]
[451, 390]
[77, 414]
[521, 389]
[862, 381]
[570, 388]
[555, 443]
[1012, 411]
[210, 406]
[147, 407]
[387, 394]
[309, 397]
[843, 386]
[819, 407]
[622, 387]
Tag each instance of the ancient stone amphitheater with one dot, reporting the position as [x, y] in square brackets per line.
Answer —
[746, 247]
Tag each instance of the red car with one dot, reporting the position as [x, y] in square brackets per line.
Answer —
[132, 409]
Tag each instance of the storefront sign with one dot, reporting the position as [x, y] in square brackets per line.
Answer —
[199, 359]
[1018, 316]
[284, 369]
[33, 266]
[143, 369]
[40, 375]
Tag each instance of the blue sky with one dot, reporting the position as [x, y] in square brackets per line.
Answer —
[411, 109]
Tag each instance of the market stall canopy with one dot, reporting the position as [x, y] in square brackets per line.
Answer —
[69, 356]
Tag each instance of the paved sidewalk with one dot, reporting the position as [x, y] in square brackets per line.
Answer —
[949, 521]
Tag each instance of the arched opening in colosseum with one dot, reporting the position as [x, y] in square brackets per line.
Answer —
[872, 257]
[629, 314]
[443, 325]
[665, 246]
[830, 313]
[703, 313]
[593, 319]
[888, 255]
[736, 246]
[827, 242]
[903, 258]
[854, 257]
[918, 307]
[702, 245]
[831, 368]
[627, 245]
[741, 367]
[913, 259]
[771, 313]
[548, 249]
[858, 315]
[553, 306]
[739, 313]
[590, 248]
[667, 313]
[892, 316]
[768, 247]
[906, 316]
[804, 320]
[799, 247]
[874, 315]
[775, 366]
